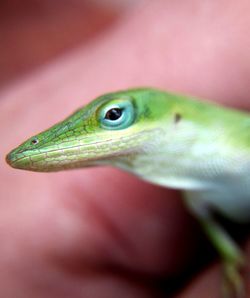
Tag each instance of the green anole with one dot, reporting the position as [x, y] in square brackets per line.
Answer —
[171, 140]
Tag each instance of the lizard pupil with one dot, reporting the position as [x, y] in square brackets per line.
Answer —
[113, 114]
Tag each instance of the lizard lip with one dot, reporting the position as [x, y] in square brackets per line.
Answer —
[12, 158]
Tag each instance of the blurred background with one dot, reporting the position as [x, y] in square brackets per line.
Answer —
[33, 32]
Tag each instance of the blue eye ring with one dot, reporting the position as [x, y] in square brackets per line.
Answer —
[117, 114]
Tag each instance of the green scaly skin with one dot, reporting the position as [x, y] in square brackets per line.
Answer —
[167, 139]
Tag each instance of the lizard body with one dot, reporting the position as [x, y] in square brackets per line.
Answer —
[175, 141]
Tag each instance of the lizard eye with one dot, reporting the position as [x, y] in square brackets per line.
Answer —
[113, 114]
[117, 114]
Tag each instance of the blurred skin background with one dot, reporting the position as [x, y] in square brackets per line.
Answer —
[100, 232]
[33, 32]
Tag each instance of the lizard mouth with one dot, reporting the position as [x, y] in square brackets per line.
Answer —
[55, 159]
[75, 156]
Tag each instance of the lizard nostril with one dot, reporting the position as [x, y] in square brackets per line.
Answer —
[34, 141]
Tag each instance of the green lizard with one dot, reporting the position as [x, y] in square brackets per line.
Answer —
[167, 139]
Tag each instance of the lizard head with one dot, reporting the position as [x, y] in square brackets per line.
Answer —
[112, 129]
